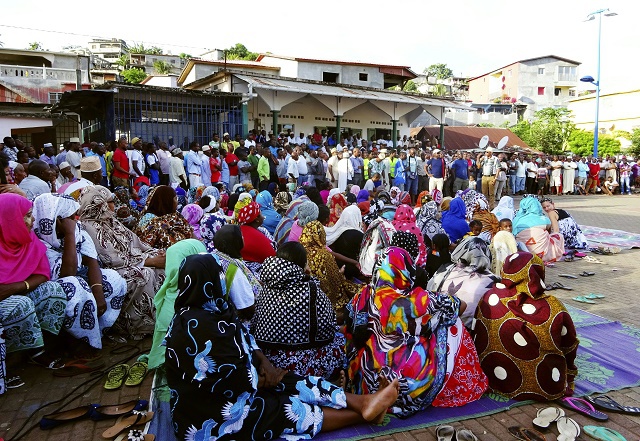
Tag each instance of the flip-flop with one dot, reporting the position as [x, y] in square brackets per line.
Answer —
[116, 377]
[445, 433]
[546, 416]
[118, 410]
[580, 254]
[603, 433]
[583, 299]
[79, 367]
[567, 276]
[593, 296]
[135, 435]
[127, 423]
[559, 285]
[525, 434]
[568, 428]
[605, 402]
[587, 273]
[137, 372]
[582, 406]
[465, 435]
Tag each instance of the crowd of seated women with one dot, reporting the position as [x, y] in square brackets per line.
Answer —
[298, 319]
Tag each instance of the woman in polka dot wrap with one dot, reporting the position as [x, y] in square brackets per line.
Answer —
[526, 339]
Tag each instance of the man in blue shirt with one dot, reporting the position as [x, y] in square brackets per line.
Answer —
[436, 170]
[460, 168]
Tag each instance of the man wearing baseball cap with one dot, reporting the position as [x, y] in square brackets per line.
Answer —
[177, 175]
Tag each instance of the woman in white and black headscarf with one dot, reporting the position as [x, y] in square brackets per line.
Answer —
[94, 296]
[428, 221]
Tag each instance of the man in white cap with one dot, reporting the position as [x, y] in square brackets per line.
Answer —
[206, 165]
[490, 168]
[91, 174]
[177, 176]
[49, 155]
[74, 156]
[345, 171]
[332, 168]
[65, 174]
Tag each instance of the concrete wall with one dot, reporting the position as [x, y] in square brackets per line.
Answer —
[288, 68]
[8, 123]
[307, 113]
[617, 109]
[347, 74]
[530, 81]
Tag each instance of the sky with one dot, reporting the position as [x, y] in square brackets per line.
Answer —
[472, 37]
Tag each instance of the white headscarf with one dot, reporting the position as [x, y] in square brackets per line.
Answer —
[47, 208]
[350, 219]
[332, 192]
[504, 210]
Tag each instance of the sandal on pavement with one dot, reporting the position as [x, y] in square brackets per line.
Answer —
[567, 276]
[558, 285]
[592, 259]
[546, 416]
[584, 407]
[118, 410]
[55, 419]
[583, 299]
[593, 296]
[128, 422]
[603, 433]
[465, 435]
[137, 372]
[587, 273]
[116, 377]
[37, 359]
[136, 435]
[607, 403]
[568, 428]
[445, 433]
[14, 382]
[524, 434]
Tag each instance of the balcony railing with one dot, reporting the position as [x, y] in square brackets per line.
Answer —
[40, 73]
[567, 77]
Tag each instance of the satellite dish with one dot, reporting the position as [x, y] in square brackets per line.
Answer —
[527, 100]
[483, 141]
[503, 142]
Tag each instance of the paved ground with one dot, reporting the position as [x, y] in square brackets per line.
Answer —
[620, 212]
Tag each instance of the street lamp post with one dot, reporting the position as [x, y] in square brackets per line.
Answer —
[590, 79]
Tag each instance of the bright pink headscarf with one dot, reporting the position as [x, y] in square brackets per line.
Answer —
[22, 254]
[405, 220]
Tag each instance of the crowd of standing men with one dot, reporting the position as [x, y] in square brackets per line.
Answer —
[318, 159]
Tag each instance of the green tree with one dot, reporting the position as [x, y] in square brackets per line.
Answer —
[410, 86]
[35, 46]
[439, 90]
[550, 131]
[634, 149]
[122, 61]
[581, 143]
[134, 76]
[185, 56]
[438, 70]
[485, 125]
[240, 52]
[140, 49]
[162, 67]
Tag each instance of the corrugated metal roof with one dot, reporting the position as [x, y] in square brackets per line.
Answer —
[467, 137]
[340, 90]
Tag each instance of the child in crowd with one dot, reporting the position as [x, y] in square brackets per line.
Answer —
[506, 225]
[472, 182]
[542, 179]
[438, 254]
[475, 227]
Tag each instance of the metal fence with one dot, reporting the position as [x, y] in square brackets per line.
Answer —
[170, 115]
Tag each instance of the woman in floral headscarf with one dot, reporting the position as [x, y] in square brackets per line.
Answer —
[405, 220]
[165, 226]
[401, 331]
[427, 220]
[337, 203]
[323, 265]
[250, 219]
[193, 213]
[525, 337]
[94, 295]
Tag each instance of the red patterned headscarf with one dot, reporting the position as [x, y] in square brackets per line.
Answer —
[249, 213]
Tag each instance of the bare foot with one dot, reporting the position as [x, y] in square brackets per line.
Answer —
[376, 405]
[341, 382]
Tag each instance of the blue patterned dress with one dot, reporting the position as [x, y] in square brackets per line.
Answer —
[213, 376]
